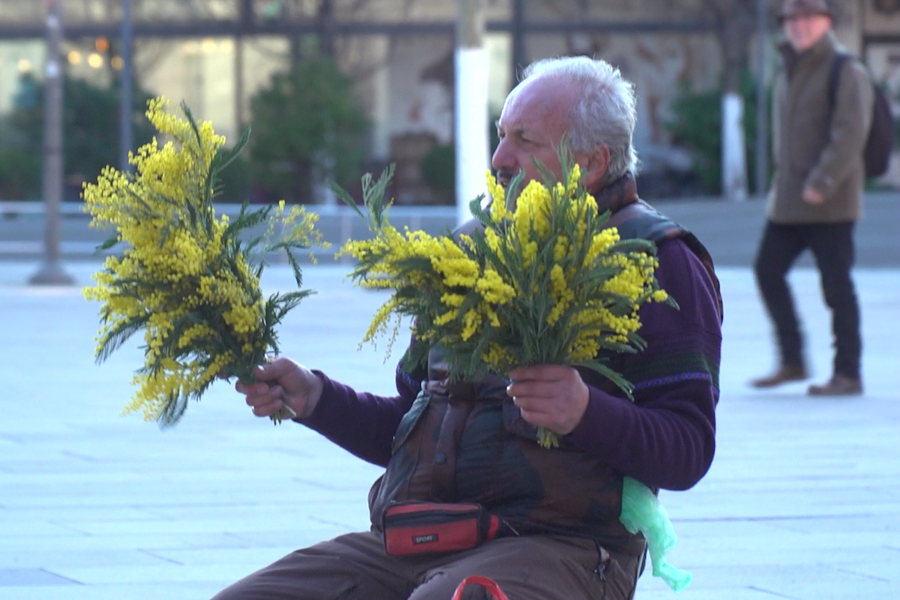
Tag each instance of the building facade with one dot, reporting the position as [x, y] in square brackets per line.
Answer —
[217, 54]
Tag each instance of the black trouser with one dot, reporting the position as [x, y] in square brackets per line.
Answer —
[832, 247]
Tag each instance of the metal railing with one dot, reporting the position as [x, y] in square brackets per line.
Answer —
[21, 225]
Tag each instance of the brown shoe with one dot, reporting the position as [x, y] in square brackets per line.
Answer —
[837, 386]
[785, 374]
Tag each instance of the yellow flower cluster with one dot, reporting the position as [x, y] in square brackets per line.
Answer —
[543, 282]
[185, 277]
[580, 288]
[442, 267]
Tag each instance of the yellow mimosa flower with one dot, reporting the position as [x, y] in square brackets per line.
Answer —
[184, 277]
[544, 283]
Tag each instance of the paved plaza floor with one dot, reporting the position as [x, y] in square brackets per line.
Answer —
[802, 501]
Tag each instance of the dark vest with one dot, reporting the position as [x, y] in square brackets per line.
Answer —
[464, 441]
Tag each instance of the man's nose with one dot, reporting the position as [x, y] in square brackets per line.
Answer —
[501, 158]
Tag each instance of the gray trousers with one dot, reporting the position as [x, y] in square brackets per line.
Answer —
[355, 567]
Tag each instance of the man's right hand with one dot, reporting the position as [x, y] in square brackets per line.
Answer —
[813, 196]
[282, 382]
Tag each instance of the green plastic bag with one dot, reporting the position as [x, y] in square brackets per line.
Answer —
[642, 512]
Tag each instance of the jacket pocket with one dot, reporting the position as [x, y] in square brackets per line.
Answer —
[515, 424]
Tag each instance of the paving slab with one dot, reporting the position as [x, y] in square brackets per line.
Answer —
[802, 500]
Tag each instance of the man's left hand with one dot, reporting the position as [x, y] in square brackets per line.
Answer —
[550, 396]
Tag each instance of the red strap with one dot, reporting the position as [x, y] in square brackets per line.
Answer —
[484, 582]
[494, 527]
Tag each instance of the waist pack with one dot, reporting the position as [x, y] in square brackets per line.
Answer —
[432, 527]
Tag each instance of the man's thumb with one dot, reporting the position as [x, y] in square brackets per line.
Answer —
[271, 370]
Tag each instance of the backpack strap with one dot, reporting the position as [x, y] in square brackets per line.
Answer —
[834, 76]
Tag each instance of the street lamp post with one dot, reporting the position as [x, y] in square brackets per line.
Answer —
[518, 41]
[51, 273]
[762, 113]
[125, 81]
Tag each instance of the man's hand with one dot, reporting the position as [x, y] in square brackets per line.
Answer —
[812, 196]
[291, 384]
[551, 396]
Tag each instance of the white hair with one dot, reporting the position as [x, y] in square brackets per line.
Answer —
[604, 115]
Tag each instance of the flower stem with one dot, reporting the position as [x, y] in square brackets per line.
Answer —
[547, 438]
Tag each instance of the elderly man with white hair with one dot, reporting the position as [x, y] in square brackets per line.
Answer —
[553, 514]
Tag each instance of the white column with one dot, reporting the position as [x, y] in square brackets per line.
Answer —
[471, 101]
[734, 158]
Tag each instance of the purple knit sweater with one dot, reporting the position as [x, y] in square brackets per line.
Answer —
[665, 438]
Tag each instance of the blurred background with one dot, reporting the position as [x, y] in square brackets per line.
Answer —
[334, 88]
[96, 507]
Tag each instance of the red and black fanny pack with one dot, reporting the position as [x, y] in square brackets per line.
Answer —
[433, 527]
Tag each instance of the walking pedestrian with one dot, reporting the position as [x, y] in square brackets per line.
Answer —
[816, 197]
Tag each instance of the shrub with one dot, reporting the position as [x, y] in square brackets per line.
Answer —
[306, 126]
[439, 172]
[91, 136]
[696, 125]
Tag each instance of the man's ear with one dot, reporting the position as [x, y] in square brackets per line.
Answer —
[594, 171]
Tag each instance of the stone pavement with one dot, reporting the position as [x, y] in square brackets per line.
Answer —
[802, 501]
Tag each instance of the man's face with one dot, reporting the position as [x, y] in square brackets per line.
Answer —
[803, 31]
[535, 118]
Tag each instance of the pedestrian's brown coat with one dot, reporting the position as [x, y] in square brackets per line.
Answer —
[814, 148]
